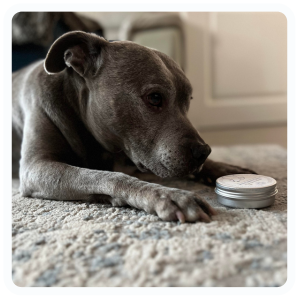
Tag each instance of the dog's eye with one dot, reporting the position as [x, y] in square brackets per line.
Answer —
[155, 99]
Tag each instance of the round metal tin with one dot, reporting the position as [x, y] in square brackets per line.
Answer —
[246, 190]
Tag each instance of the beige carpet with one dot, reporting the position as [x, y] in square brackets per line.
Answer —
[65, 243]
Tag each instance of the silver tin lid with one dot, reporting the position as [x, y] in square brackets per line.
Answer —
[246, 190]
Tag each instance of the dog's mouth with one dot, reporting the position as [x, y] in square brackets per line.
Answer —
[142, 168]
[165, 172]
[199, 169]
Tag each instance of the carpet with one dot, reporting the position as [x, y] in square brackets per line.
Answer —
[77, 243]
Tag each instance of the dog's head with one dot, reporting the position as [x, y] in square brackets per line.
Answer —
[132, 98]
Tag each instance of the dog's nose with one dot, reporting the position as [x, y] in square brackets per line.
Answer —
[200, 152]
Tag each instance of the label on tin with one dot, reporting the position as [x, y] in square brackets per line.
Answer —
[237, 181]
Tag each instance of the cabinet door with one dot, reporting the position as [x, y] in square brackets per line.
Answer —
[237, 63]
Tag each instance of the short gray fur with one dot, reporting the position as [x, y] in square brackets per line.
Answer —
[81, 112]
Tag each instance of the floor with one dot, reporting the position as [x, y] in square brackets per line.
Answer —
[76, 243]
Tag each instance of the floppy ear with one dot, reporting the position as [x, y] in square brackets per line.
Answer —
[75, 49]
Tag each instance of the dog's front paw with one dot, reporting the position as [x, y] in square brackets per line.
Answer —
[173, 204]
[213, 170]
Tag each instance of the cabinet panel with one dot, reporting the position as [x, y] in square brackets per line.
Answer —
[237, 63]
[248, 54]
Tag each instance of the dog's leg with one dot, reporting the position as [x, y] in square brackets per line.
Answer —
[212, 170]
[46, 173]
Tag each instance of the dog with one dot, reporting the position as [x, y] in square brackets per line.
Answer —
[92, 102]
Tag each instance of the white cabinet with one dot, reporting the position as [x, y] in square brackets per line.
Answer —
[237, 63]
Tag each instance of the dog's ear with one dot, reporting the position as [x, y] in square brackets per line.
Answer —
[75, 49]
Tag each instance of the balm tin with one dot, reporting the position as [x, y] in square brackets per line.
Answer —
[246, 190]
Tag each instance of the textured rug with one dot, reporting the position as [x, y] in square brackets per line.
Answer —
[76, 243]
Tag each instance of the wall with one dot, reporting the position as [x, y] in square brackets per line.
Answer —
[237, 63]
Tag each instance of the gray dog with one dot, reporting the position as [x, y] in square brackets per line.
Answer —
[91, 102]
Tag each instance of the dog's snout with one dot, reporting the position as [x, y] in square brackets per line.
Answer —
[200, 152]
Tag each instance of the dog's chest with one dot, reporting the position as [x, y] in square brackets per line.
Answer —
[100, 159]
[123, 164]
[97, 158]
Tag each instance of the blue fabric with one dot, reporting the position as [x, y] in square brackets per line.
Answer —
[26, 54]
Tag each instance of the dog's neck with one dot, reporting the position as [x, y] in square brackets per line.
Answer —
[78, 95]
